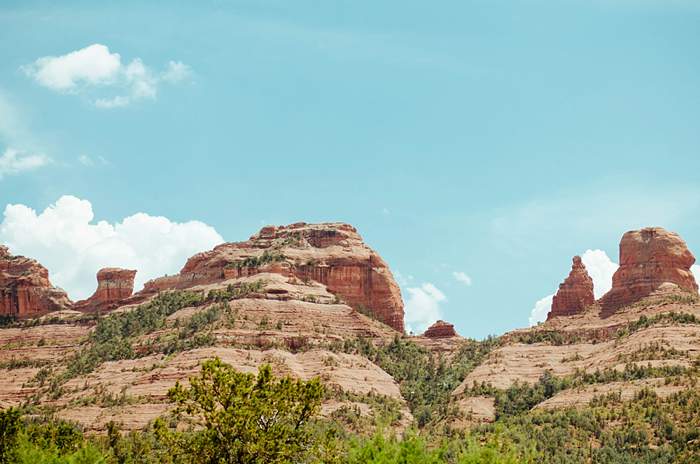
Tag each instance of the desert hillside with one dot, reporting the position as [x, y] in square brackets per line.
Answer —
[313, 301]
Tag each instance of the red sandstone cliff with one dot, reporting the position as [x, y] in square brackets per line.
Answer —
[575, 293]
[332, 254]
[649, 258]
[25, 289]
[113, 286]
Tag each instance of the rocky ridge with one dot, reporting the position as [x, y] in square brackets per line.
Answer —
[332, 254]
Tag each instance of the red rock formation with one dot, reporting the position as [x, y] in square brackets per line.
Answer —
[440, 329]
[649, 258]
[113, 286]
[25, 289]
[332, 254]
[575, 293]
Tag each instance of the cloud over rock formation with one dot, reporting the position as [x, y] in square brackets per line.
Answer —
[649, 258]
[575, 293]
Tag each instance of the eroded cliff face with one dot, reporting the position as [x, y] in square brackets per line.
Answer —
[113, 286]
[575, 293]
[649, 258]
[25, 289]
[332, 254]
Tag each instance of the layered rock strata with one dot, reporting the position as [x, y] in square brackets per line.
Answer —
[25, 289]
[649, 258]
[332, 254]
[440, 329]
[113, 286]
[575, 293]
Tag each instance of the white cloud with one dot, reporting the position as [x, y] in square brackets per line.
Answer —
[462, 277]
[423, 307]
[601, 269]
[89, 161]
[542, 307]
[65, 239]
[92, 65]
[177, 71]
[695, 269]
[94, 70]
[15, 162]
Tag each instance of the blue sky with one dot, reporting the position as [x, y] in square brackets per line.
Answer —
[493, 138]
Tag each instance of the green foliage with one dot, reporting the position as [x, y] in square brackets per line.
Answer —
[9, 430]
[113, 337]
[644, 322]
[647, 429]
[43, 441]
[414, 449]
[426, 380]
[7, 321]
[241, 418]
[267, 257]
[552, 337]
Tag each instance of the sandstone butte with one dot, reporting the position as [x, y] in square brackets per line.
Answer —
[575, 293]
[113, 286]
[649, 258]
[332, 254]
[25, 289]
[440, 329]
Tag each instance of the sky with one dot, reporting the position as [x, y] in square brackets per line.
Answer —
[476, 145]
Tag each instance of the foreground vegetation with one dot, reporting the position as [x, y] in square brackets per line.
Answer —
[225, 416]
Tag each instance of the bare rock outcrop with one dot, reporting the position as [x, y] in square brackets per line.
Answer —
[575, 293]
[113, 286]
[25, 289]
[440, 329]
[332, 254]
[649, 258]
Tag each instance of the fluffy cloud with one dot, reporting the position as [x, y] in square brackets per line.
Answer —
[601, 269]
[695, 269]
[16, 162]
[542, 307]
[423, 306]
[93, 69]
[462, 277]
[65, 239]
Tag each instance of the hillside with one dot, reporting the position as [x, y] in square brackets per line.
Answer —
[315, 301]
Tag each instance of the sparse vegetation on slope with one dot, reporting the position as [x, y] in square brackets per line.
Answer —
[426, 381]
